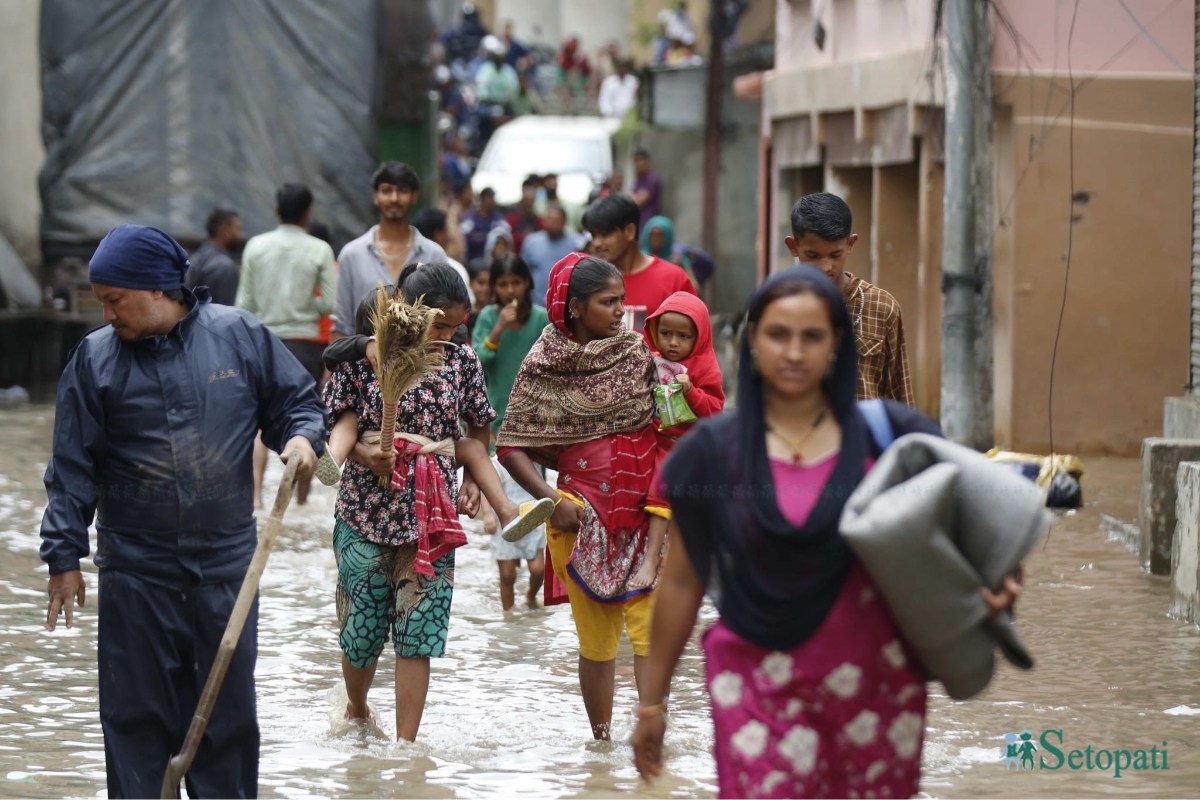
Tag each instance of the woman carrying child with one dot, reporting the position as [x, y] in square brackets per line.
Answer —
[681, 334]
[582, 404]
[395, 543]
[505, 331]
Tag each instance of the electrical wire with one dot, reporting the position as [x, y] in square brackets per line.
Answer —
[1150, 37]
[1048, 122]
[1062, 309]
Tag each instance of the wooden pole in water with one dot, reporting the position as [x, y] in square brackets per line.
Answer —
[178, 766]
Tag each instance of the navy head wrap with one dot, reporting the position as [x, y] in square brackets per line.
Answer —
[138, 257]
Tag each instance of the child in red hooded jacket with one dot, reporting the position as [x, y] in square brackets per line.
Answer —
[681, 333]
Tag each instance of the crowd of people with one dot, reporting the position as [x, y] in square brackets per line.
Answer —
[577, 386]
[485, 79]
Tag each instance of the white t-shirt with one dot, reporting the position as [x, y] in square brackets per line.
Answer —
[618, 95]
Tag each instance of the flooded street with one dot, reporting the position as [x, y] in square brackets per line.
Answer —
[504, 715]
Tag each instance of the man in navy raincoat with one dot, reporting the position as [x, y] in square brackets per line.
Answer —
[155, 423]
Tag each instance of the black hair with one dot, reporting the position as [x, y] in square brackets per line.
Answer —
[531, 179]
[217, 220]
[397, 174]
[438, 283]
[786, 287]
[824, 215]
[429, 221]
[292, 202]
[513, 264]
[477, 266]
[642, 152]
[556, 208]
[363, 325]
[488, 192]
[591, 275]
[612, 212]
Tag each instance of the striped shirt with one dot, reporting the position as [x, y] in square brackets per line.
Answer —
[879, 326]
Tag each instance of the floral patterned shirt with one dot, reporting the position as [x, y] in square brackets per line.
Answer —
[432, 408]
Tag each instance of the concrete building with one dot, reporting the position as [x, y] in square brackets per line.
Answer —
[861, 116]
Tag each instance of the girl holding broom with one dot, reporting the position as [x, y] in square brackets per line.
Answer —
[395, 540]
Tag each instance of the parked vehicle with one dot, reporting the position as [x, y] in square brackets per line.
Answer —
[578, 149]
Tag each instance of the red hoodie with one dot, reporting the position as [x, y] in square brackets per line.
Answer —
[707, 397]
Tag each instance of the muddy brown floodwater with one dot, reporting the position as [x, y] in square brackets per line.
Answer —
[504, 716]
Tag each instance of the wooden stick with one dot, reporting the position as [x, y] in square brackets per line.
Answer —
[179, 764]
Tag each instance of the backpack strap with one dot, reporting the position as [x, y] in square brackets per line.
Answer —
[875, 414]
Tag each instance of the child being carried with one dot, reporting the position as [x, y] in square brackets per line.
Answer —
[469, 453]
[681, 332]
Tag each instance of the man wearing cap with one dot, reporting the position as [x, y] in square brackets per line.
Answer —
[153, 430]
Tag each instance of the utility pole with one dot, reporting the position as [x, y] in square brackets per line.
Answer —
[1193, 383]
[964, 254]
[981, 82]
[712, 128]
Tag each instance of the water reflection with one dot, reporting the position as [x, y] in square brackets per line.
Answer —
[504, 714]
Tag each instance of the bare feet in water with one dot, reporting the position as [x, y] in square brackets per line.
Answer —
[366, 716]
[531, 599]
[645, 576]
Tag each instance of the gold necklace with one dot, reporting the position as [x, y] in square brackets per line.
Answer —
[797, 445]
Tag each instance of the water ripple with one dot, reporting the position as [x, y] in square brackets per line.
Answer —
[504, 715]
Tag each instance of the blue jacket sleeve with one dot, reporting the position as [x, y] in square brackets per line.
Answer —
[288, 403]
[71, 476]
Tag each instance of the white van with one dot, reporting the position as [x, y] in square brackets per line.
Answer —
[577, 149]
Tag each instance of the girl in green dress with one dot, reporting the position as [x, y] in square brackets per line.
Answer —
[504, 333]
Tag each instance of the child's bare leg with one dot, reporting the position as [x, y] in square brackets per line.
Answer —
[472, 454]
[508, 582]
[342, 437]
[537, 573]
[258, 467]
[490, 526]
[654, 543]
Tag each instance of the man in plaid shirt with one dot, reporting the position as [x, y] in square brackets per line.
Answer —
[821, 236]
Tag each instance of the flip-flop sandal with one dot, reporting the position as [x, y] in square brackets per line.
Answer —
[535, 515]
[328, 472]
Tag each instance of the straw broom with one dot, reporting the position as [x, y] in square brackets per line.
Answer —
[405, 357]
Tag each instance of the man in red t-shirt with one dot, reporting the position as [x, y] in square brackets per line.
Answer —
[613, 222]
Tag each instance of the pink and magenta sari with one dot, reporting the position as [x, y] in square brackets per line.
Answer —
[842, 714]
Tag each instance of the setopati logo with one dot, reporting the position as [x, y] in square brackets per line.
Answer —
[1051, 752]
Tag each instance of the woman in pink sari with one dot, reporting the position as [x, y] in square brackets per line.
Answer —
[581, 403]
[813, 691]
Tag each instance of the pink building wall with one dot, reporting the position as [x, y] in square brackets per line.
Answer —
[1107, 38]
[865, 29]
